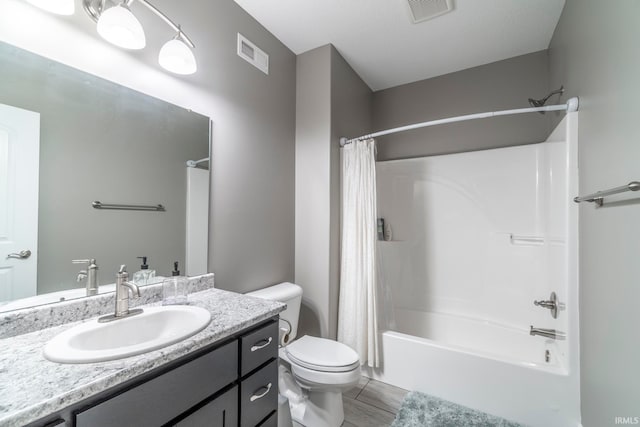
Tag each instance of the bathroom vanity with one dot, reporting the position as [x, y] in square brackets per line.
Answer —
[225, 375]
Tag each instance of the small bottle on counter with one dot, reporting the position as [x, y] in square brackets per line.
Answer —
[174, 288]
[143, 276]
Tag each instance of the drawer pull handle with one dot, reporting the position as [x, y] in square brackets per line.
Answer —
[261, 395]
[261, 346]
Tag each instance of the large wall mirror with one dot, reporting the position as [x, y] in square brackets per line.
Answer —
[94, 141]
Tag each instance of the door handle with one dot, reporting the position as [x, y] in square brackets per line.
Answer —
[20, 255]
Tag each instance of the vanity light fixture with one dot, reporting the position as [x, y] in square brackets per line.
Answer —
[177, 57]
[59, 7]
[118, 25]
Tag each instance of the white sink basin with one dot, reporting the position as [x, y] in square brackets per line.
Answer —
[154, 328]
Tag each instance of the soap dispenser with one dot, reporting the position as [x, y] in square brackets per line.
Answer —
[143, 276]
[174, 289]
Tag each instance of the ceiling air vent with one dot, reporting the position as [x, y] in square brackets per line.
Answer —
[422, 10]
[253, 54]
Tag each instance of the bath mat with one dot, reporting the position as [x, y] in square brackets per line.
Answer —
[421, 410]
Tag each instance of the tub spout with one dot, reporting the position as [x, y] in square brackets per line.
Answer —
[547, 333]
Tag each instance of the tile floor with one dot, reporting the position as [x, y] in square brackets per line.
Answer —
[371, 404]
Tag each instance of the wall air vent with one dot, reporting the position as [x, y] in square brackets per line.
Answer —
[422, 10]
[253, 54]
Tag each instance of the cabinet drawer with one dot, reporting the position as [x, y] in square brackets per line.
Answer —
[272, 421]
[259, 395]
[221, 412]
[165, 397]
[258, 347]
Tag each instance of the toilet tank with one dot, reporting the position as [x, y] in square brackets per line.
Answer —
[288, 293]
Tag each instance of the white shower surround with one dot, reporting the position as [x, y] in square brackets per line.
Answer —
[477, 237]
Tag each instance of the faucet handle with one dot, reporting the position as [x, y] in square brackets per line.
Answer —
[545, 304]
[123, 269]
[91, 262]
[551, 304]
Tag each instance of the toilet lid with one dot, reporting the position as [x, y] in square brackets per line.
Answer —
[322, 354]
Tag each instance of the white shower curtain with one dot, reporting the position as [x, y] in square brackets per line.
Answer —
[357, 314]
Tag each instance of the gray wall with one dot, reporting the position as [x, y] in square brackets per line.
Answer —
[313, 191]
[332, 101]
[102, 141]
[351, 101]
[500, 85]
[594, 53]
[252, 205]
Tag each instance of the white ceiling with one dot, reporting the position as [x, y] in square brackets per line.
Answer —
[380, 42]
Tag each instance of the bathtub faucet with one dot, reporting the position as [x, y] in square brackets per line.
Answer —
[547, 333]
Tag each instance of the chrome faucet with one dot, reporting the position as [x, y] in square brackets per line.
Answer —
[547, 333]
[123, 287]
[90, 274]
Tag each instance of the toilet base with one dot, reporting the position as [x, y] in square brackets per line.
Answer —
[322, 408]
[319, 409]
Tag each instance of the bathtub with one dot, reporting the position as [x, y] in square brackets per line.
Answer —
[485, 339]
[496, 369]
[471, 252]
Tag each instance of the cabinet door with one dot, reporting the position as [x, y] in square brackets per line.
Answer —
[163, 398]
[259, 395]
[272, 421]
[221, 412]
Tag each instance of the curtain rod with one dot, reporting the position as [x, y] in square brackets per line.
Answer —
[571, 106]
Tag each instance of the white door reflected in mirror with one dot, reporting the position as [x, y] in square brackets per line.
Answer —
[19, 161]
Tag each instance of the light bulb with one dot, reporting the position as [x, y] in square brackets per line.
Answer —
[119, 26]
[60, 7]
[177, 57]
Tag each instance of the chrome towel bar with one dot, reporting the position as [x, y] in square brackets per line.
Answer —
[100, 205]
[598, 197]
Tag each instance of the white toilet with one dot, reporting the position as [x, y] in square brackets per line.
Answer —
[313, 372]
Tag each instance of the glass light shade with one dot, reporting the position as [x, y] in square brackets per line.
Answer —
[60, 7]
[177, 57]
[119, 26]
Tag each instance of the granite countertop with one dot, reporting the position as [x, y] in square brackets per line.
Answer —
[32, 387]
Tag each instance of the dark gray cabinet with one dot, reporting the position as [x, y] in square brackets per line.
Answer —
[161, 399]
[222, 411]
[258, 374]
[259, 395]
[230, 384]
[258, 347]
[272, 421]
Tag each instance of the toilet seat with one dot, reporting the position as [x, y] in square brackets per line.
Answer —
[323, 355]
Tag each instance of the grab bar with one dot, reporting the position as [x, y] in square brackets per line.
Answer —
[99, 205]
[598, 196]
